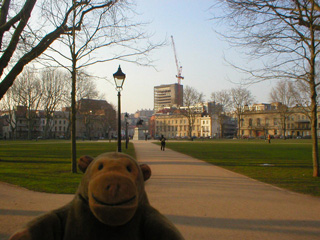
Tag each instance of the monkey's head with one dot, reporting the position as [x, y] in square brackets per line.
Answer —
[113, 185]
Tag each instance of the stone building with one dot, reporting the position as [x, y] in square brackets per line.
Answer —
[171, 123]
[95, 119]
[275, 119]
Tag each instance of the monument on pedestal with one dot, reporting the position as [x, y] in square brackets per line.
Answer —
[139, 131]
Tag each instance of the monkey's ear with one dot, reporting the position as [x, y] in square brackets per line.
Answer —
[84, 162]
[146, 171]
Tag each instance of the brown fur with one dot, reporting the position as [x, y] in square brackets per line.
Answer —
[110, 203]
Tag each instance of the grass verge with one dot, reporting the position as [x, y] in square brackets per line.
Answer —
[45, 166]
[287, 164]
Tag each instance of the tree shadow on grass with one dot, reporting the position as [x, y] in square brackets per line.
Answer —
[34, 161]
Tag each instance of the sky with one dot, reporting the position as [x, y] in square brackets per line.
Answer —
[200, 52]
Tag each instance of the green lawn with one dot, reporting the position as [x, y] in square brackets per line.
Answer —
[287, 164]
[45, 166]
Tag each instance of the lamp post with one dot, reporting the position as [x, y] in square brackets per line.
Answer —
[119, 78]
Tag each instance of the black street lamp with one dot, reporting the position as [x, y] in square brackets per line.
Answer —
[119, 78]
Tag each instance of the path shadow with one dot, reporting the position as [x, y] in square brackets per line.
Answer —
[174, 163]
[298, 227]
[4, 236]
[216, 182]
[15, 212]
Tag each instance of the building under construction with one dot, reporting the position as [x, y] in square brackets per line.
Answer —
[169, 95]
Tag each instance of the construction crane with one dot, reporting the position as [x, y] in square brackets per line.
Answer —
[179, 68]
[178, 76]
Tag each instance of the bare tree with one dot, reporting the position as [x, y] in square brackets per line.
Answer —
[283, 93]
[8, 104]
[108, 120]
[27, 92]
[286, 35]
[54, 91]
[223, 97]
[223, 100]
[241, 97]
[192, 100]
[108, 27]
[25, 34]
[86, 87]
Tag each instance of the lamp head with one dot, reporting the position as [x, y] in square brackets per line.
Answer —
[119, 78]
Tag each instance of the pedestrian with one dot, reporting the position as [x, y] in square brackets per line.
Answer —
[269, 138]
[163, 143]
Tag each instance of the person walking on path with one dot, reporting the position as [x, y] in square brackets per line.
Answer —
[163, 143]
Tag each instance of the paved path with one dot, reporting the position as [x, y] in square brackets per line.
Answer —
[208, 202]
[19, 205]
[204, 201]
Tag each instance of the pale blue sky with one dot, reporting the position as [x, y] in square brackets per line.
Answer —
[199, 50]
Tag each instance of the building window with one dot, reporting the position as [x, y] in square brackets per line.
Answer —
[258, 121]
[250, 122]
[267, 122]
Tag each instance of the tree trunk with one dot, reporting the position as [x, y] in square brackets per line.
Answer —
[313, 91]
[73, 122]
[239, 126]
[73, 98]
[315, 150]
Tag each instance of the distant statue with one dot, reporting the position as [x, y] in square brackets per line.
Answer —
[140, 122]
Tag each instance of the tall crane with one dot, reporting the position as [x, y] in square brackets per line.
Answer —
[178, 76]
[179, 68]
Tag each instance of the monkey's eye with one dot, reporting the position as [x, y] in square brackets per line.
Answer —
[129, 169]
[100, 166]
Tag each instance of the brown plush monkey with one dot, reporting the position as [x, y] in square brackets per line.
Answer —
[110, 204]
